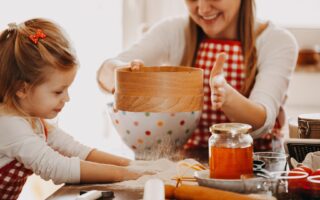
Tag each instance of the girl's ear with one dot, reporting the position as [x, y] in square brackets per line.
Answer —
[22, 92]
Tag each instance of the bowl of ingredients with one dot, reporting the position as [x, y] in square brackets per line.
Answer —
[150, 133]
[156, 108]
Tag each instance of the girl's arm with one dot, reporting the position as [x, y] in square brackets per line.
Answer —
[106, 158]
[91, 172]
[66, 145]
[19, 141]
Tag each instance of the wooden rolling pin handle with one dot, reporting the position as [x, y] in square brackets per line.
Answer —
[191, 192]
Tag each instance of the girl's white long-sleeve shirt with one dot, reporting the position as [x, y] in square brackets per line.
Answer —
[57, 157]
[277, 50]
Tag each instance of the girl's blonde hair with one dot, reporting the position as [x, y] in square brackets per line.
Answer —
[25, 61]
[247, 37]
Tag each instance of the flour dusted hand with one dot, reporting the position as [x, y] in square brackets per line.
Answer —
[133, 173]
[218, 84]
[218, 91]
[142, 167]
[165, 170]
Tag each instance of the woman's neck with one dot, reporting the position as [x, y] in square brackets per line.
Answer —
[223, 37]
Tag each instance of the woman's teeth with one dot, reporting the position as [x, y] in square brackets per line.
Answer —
[210, 17]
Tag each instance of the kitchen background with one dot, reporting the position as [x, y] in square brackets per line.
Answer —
[100, 29]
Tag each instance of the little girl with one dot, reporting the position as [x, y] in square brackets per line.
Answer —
[37, 67]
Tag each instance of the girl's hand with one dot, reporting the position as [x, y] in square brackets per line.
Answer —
[218, 85]
[136, 173]
[136, 65]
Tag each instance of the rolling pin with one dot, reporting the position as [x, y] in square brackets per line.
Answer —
[191, 192]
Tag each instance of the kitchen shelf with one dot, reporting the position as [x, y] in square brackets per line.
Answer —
[308, 68]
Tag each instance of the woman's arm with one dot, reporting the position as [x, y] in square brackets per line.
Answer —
[234, 105]
[277, 58]
[277, 55]
[241, 109]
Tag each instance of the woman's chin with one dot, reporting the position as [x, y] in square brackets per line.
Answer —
[212, 33]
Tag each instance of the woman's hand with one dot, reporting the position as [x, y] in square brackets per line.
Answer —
[136, 65]
[218, 85]
[105, 74]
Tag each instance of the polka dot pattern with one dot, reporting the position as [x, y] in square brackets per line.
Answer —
[143, 132]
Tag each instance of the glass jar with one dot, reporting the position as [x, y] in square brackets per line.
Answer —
[230, 151]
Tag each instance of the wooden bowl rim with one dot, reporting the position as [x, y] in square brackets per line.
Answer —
[161, 69]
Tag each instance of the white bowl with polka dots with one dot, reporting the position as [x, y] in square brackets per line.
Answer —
[150, 134]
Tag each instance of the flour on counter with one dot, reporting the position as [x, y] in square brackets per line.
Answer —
[164, 169]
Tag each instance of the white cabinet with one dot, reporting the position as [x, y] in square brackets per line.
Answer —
[304, 93]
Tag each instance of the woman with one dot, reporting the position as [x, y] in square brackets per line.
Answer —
[258, 62]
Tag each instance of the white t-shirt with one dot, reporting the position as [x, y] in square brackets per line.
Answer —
[277, 52]
[58, 158]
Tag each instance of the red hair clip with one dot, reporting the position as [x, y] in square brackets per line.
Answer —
[38, 35]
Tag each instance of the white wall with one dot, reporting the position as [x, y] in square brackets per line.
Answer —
[96, 32]
[290, 13]
[300, 17]
[138, 15]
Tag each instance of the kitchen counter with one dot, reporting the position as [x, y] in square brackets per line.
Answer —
[68, 192]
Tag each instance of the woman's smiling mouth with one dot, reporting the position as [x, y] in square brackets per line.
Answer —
[211, 17]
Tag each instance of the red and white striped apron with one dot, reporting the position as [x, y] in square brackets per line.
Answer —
[13, 177]
[234, 73]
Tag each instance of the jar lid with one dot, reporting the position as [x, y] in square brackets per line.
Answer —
[310, 116]
[233, 128]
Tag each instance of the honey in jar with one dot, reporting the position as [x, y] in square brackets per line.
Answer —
[230, 151]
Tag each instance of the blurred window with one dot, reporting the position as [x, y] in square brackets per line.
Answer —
[290, 13]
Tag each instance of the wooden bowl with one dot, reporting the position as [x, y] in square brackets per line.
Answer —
[159, 89]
